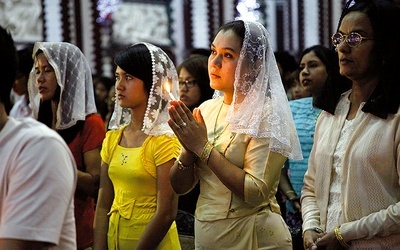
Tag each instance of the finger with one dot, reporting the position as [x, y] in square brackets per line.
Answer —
[174, 115]
[184, 112]
[187, 111]
[197, 115]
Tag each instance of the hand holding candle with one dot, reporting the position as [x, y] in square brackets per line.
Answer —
[167, 88]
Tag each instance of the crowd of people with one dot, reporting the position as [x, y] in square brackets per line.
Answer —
[263, 151]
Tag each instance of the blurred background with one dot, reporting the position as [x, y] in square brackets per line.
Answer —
[102, 27]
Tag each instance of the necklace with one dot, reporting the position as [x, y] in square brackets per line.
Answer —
[215, 135]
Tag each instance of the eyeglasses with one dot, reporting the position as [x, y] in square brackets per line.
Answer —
[353, 39]
[188, 83]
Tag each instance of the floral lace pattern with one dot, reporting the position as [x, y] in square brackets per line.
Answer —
[74, 77]
[334, 214]
[156, 116]
[260, 107]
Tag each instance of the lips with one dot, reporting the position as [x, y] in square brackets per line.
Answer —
[345, 60]
[214, 76]
[306, 82]
[42, 89]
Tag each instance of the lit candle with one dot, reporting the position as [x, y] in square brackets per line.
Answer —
[166, 86]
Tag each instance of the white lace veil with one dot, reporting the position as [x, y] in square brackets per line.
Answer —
[74, 78]
[156, 116]
[260, 107]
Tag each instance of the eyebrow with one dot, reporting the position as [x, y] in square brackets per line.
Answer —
[226, 48]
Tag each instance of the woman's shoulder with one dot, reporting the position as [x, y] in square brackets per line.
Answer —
[211, 103]
[93, 118]
[161, 139]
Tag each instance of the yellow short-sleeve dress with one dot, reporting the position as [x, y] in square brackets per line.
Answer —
[133, 173]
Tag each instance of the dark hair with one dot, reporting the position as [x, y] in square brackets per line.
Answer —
[331, 91]
[107, 81]
[199, 52]
[286, 60]
[384, 16]
[136, 60]
[197, 66]
[236, 26]
[25, 61]
[8, 67]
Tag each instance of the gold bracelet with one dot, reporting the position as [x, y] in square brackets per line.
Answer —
[181, 166]
[205, 154]
[340, 238]
[290, 192]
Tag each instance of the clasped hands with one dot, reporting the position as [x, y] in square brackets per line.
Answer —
[189, 128]
[313, 240]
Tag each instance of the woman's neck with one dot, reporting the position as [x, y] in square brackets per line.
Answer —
[361, 91]
[137, 117]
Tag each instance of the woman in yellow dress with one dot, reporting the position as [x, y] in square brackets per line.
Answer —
[137, 206]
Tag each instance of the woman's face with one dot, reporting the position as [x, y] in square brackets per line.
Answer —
[313, 73]
[100, 91]
[222, 62]
[46, 80]
[131, 92]
[20, 85]
[361, 62]
[189, 95]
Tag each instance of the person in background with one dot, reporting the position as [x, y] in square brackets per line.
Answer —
[236, 145]
[287, 65]
[110, 106]
[102, 86]
[61, 96]
[297, 90]
[317, 66]
[351, 193]
[21, 107]
[199, 52]
[37, 174]
[194, 83]
[137, 206]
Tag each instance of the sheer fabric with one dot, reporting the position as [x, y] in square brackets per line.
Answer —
[74, 77]
[156, 116]
[260, 107]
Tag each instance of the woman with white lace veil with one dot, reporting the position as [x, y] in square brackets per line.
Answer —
[236, 145]
[61, 96]
[137, 206]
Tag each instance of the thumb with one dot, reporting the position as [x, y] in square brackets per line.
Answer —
[197, 115]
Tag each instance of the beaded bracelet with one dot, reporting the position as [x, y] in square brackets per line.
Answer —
[340, 238]
[205, 154]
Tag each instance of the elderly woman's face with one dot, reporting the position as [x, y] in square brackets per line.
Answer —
[225, 51]
[362, 61]
[46, 80]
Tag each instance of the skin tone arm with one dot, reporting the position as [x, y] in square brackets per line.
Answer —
[13, 244]
[88, 181]
[193, 137]
[286, 188]
[167, 207]
[106, 197]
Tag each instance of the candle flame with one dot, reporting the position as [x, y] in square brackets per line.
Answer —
[166, 86]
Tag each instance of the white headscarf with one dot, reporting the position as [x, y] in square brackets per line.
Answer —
[260, 107]
[74, 78]
[156, 116]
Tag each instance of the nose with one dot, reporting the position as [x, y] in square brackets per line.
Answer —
[216, 60]
[304, 71]
[183, 88]
[119, 84]
[39, 78]
[342, 47]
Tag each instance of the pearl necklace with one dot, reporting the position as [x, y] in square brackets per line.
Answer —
[215, 135]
